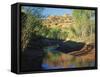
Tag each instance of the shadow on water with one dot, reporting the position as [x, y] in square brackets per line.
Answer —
[32, 57]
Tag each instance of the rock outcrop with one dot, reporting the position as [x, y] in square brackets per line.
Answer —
[63, 21]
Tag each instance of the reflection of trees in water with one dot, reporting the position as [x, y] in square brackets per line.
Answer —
[70, 60]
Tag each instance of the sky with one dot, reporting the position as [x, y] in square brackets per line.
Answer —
[56, 11]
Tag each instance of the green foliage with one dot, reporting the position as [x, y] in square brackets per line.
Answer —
[84, 26]
[53, 33]
[31, 23]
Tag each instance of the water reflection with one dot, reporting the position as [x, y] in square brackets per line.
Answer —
[55, 59]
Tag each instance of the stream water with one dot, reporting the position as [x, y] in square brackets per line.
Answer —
[54, 51]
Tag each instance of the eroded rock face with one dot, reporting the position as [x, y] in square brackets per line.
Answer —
[63, 21]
